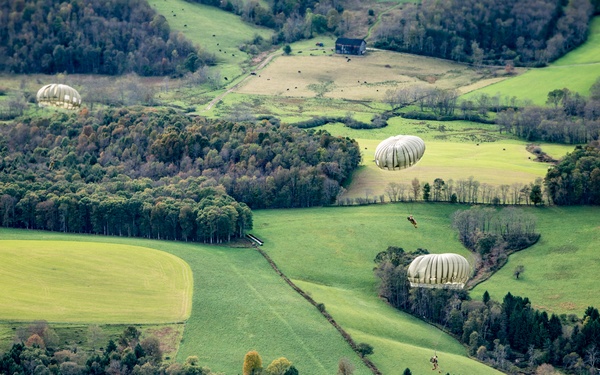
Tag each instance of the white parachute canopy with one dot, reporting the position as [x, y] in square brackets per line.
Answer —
[447, 271]
[58, 95]
[399, 152]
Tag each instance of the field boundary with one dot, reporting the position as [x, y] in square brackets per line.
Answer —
[328, 316]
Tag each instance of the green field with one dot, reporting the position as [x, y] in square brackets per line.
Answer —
[200, 22]
[83, 282]
[330, 251]
[239, 303]
[560, 269]
[577, 71]
[460, 150]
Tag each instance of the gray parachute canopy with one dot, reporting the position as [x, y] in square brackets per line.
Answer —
[58, 95]
[448, 271]
[399, 152]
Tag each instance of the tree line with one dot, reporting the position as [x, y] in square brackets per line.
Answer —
[509, 335]
[568, 117]
[464, 190]
[90, 37]
[292, 20]
[158, 174]
[37, 351]
[521, 32]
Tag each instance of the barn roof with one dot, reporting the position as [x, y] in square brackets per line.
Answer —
[349, 41]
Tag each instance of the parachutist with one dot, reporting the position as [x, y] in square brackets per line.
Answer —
[412, 220]
[434, 362]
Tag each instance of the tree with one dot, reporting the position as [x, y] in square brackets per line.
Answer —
[364, 349]
[279, 366]
[252, 363]
[416, 187]
[536, 194]
[426, 192]
[151, 347]
[345, 367]
[287, 49]
[546, 369]
[407, 371]
[518, 271]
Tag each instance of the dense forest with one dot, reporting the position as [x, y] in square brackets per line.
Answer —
[509, 335]
[44, 36]
[522, 32]
[162, 175]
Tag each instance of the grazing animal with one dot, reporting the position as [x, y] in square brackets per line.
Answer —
[213, 35]
[185, 25]
[299, 71]
[225, 78]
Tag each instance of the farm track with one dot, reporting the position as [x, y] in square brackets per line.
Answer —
[328, 316]
[248, 75]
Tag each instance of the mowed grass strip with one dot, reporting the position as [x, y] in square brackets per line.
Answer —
[239, 305]
[561, 270]
[93, 283]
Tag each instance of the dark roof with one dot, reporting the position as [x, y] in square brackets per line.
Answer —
[349, 42]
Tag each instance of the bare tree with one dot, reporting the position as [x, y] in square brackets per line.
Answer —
[392, 191]
[416, 188]
[345, 367]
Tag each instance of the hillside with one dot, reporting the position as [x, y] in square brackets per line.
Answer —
[576, 71]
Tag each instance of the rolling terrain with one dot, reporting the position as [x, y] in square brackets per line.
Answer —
[238, 302]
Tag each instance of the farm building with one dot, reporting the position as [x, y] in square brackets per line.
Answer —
[350, 46]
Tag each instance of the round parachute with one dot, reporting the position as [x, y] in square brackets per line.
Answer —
[399, 152]
[58, 95]
[448, 271]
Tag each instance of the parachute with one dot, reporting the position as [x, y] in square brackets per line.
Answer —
[447, 271]
[399, 152]
[58, 95]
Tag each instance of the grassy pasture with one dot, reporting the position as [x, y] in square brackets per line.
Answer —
[239, 304]
[365, 77]
[83, 282]
[455, 150]
[329, 253]
[577, 71]
[200, 22]
[561, 269]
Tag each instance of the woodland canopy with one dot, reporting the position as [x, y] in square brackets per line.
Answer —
[92, 36]
[160, 174]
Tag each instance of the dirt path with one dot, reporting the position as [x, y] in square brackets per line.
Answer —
[248, 75]
[379, 18]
